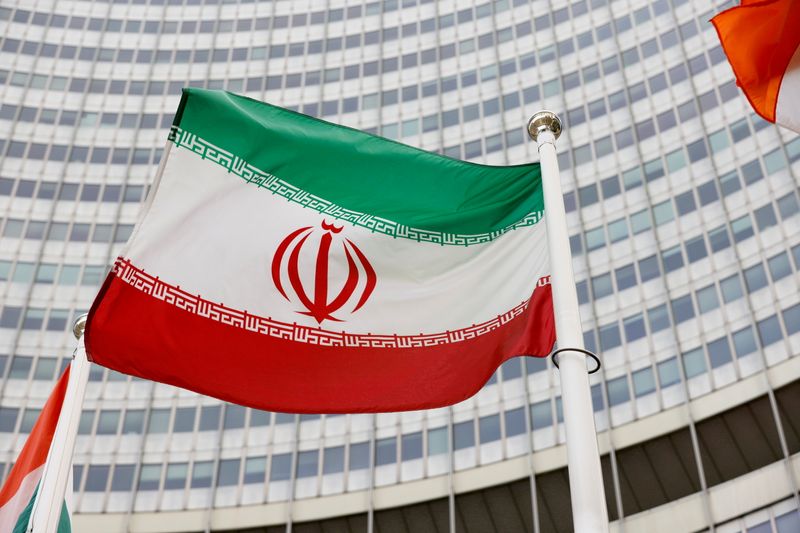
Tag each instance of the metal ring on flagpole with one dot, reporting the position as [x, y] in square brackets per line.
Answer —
[581, 350]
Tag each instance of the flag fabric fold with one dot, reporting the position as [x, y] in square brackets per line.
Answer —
[18, 493]
[762, 42]
[289, 264]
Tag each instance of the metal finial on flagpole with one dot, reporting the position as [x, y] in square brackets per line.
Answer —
[583, 458]
[544, 121]
[79, 326]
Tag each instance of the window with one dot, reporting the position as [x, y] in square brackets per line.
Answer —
[541, 415]
[618, 391]
[386, 451]
[634, 327]
[788, 205]
[176, 476]
[202, 473]
[668, 373]
[515, 422]
[719, 239]
[159, 421]
[618, 230]
[765, 217]
[307, 463]
[694, 363]
[682, 309]
[588, 195]
[601, 286]
[149, 477]
[649, 268]
[744, 341]
[791, 317]
[719, 352]
[108, 422]
[511, 369]
[437, 441]
[696, 249]
[609, 336]
[625, 276]
[755, 278]
[769, 330]
[463, 435]
[685, 202]
[123, 478]
[742, 228]
[411, 446]
[96, 478]
[658, 318]
[731, 288]
[254, 469]
[643, 382]
[133, 423]
[595, 239]
[640, 221]
[707, 299]
[489, 428]
[281, 465]
[333, 460]
[672, 259]
[729, 183]
[234, 416]
[209, 417]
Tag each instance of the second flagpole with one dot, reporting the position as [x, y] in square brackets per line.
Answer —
[46, 511]
[583, 458]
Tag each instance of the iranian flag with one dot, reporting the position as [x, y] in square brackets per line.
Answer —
[289, 264]
[762, 41]
[19, 490]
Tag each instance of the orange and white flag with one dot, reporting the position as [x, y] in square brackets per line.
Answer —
[762, 42]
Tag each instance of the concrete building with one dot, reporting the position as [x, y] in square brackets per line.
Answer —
[683, 209]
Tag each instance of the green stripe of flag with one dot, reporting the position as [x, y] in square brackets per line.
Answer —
[362, 172]
[64, 525]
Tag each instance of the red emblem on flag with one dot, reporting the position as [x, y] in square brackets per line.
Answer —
[319, 305]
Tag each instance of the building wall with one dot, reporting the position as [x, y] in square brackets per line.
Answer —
[682, 209]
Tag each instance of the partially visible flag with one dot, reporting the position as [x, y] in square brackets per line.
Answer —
[762, 42]
[293, 265]
[19, 490]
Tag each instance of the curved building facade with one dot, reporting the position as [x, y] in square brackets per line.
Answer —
[684, 217]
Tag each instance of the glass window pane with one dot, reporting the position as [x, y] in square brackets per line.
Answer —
[489, 428]
[280, 467]
[437, 441]
[694, 363]
[463, 435]
[333, 460]
[643, 382]
[411, 446]
[668, 372]
[307, 463]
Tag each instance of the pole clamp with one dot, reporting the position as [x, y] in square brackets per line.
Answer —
[554, 357]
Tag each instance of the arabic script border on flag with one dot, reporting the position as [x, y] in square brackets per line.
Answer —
[249, 173]
[174, 295]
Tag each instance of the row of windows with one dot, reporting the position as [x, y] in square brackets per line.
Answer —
[300, 20]
[471, 149]
[662, 213]
[275, 82]
[706, 299]
[66, 231]
[86, 192]
[696, 361]
[644, 270]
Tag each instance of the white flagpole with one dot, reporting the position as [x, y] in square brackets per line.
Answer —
[583, 458]
[58, 467]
